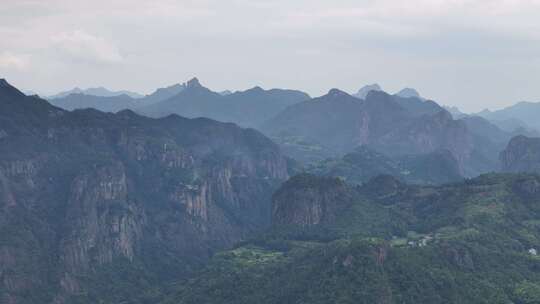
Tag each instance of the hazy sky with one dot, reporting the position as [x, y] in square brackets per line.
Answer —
[472, 54]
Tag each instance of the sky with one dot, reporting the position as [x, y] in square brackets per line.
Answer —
[473, 54]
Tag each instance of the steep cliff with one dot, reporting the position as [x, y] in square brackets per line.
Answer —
[89, 198]
[521, 155]
[307, 200]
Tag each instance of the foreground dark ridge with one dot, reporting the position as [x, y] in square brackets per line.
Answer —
[92, 200]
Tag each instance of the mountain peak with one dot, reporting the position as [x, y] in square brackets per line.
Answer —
[193, 83]
[8, 88]
[336, 93]
[365, 90]
[409, 93]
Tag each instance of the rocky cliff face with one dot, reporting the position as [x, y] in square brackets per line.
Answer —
[521, 155]
[307, 200]
[84, 190]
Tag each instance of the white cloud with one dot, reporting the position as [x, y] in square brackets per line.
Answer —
[12, 61]
[419, 17]
[83, 46]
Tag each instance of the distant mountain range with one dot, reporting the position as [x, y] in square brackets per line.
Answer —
[405, 93]
[112, 102]
[248, 108]
[99, 91]
[522, 114]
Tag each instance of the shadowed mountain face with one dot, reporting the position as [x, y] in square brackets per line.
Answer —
[337, 123]
[91, 201]
[521, 155]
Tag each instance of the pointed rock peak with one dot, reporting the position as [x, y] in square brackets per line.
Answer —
[193, 83]
[256, 89]
[4, 83]
[336, 93]
[409, 93]
[364, 91]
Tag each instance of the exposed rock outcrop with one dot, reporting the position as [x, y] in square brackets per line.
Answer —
[307, 200]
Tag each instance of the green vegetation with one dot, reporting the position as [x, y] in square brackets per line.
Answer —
[460, 243]
[363, 164]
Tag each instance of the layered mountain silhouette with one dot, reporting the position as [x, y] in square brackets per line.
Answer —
[248, 108]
